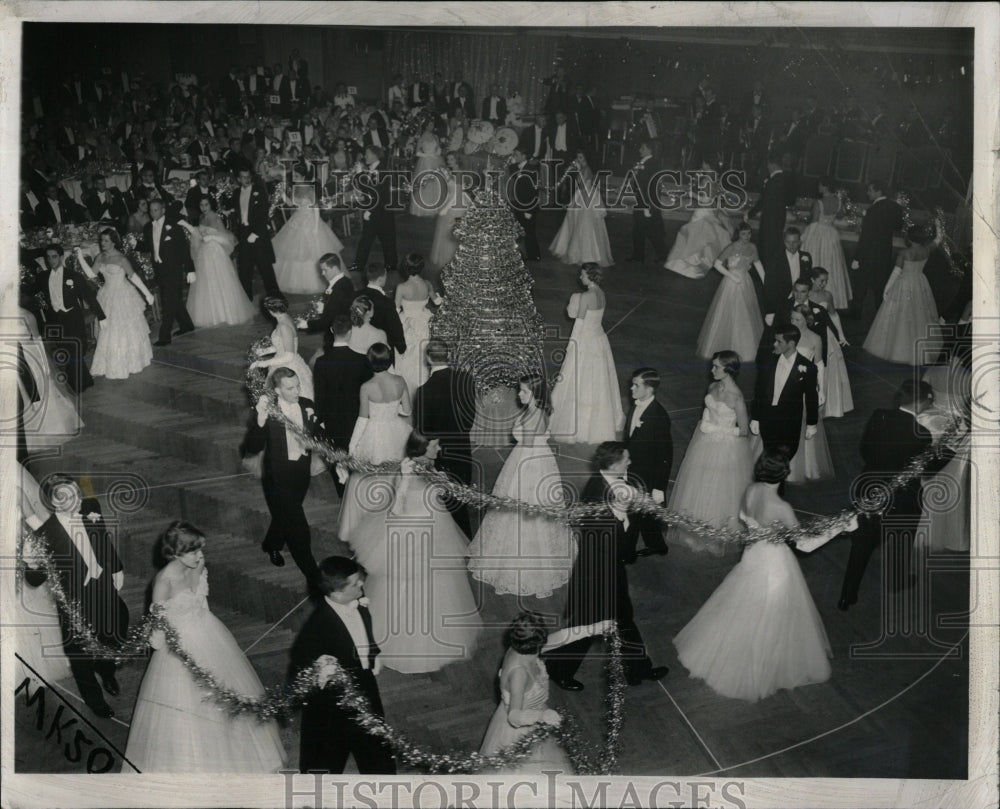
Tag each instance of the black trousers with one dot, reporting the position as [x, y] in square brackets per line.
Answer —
[564, 662]
[73, 342]
[257, 258]
[897, 531]
[532, 252]
[284, 491]
[648, 227]
[108, 616]
[384, 229]
[171, 283]
[329, 735]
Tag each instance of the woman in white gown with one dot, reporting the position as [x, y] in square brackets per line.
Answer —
[902, 325]
[53, 419]
[521, 554]
[412, 297]
[733, 321]
[423, 612]
[174, 728]
[300, 243]
[123, 346]
[445, 244]
[760, 630]
[586, 399]
[363, 334]
[428, 183]
[718, 466]
[216, 296]
[700, 241]
[822, 241]
[379, 436]
[583, 236]
[839, 399]
[284, 352]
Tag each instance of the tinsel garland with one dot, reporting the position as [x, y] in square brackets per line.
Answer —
[947, 245]
[875, 499]
[280, 703]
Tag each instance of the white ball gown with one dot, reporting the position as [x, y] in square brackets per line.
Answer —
[716, 470]
[445, 244]
[698, 244]
[300, 243]
[583, 235]
[53, 419]
[216, 297]
[821, 240]
[383, 439]
[904, 318]
[423, 612]
[760, 630]
[733, 321]
[429, 187]
[547, 755]
[410, 364]
[174, 727]
[947, 504]
[586, 400]
[520, 554]
[123, 346]
[839, 399]
[294, 361]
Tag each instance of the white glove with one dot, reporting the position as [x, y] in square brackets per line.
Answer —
[657, 495]
[118, 579]
[755, 427]
[157, 640]
[377, 668]
[821, 399]
[854, 264]
[252, 239]
[342, 473]
[359, 428]
[301, 323]
[191, 277]
[810, 431]
[647, 214]
[769, 319]
[367, 215]
[852, 524]
[550, 717]
[527, 216]
[261, 408]
[328, 665]
[150, 299]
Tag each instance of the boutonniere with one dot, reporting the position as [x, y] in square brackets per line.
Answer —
[256, 193]
[93, 516]
[364, 601]
[166, 227]
[638, 424]
[310, 412]
[69, 282]
[802, 369]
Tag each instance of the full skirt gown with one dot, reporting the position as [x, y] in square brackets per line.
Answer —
[947, 505]
[175, 729]
[698, 244]
[839, 399]
[716, 470]
[53, 419]
[520, 554]
[383, 440]
[759, 631]
[430, 187]
[547, 755]
[586, 400]
[297, 364]
[822, 241]
[216, 297]
[411, 364]
[298, 246]
[123, 346]
[445, 244]
[38, 639]
[583, 235]
[900, 330]
[733, 321]
[423, 611]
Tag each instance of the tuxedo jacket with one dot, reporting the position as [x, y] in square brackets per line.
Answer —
[418, 93]
[643, 183]
[337, 379]
[336, 301]
[385, 317]
[572, 139]
[257, 215]
[874, 253]
[524, 190]
[468, 106]
[777, 196]
[114, 203]
[778, 278]
[45, 213]
[532, 141]
[272, 440]
[588, 116]
[444, 407]
[784, 316]
[383, 136]
[500, 117]
[26, 212]
[230, 90]
[139, 191]
[650, 447]
[76, 291]
[193, 200]
[782, 423]
[174, 249]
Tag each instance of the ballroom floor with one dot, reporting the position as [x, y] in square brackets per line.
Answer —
[895, 707]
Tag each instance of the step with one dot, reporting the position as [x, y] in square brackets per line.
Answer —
[187, 391]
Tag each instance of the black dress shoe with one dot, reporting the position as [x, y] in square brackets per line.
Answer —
[111, 686]
[651, 552]
[102, 709]
[635, 259]
[161, 343]
[276, 558]
[657, 673]
[569, 684]
[630, 560]
[179, 332]
[844, 605]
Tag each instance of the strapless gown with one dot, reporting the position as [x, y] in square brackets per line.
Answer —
[733, 321]
[216, 296]
[583, 235]
[299, 245]
[411, 364]
[902, 326]
[123, 346]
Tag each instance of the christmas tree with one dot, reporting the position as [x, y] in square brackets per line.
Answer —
[488, 316]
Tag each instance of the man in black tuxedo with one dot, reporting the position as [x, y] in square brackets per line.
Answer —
[565, 142]
[872, 262]
[647, 222]
[57, 208]
[233, 160]
[495, 107]
[598, 585]
[106, 204]
[534, 140]
[558, 97]
[199, 191]
[783, 273]
[66, 292]
[27, 395]
[587, 116]
[252, 227]
[782, 387]
[171, 256]
[783, 317]
[651, 450]
[285, 475]
[379, 217]
[522, 196]
[91, 575]
[778, 194]
[418, 93]
[376, 134]
[231, 90]
[297, 66]
[149, 189]
[341, 628]
[338, 376]
[890, 441]
[27, 203]
[337, 297]
[444, 407]
[385, 316]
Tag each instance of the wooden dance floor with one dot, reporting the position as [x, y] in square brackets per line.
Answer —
[894, 709]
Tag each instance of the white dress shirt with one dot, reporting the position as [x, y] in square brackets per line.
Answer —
[157, 230]
[293, 412]
[293, 84]
[376, 140]
[55, 207]
[245, 204]
[333, 281]
[352, 619]
[793, 265]
[253, 83]
[781, 374]
[56, 289]
[276, 85]
[493, 106]
[378, 289]
[73, 526]
[640, 408]
[539, 139]
[560, 140]
[70, 135]
[32, 199]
